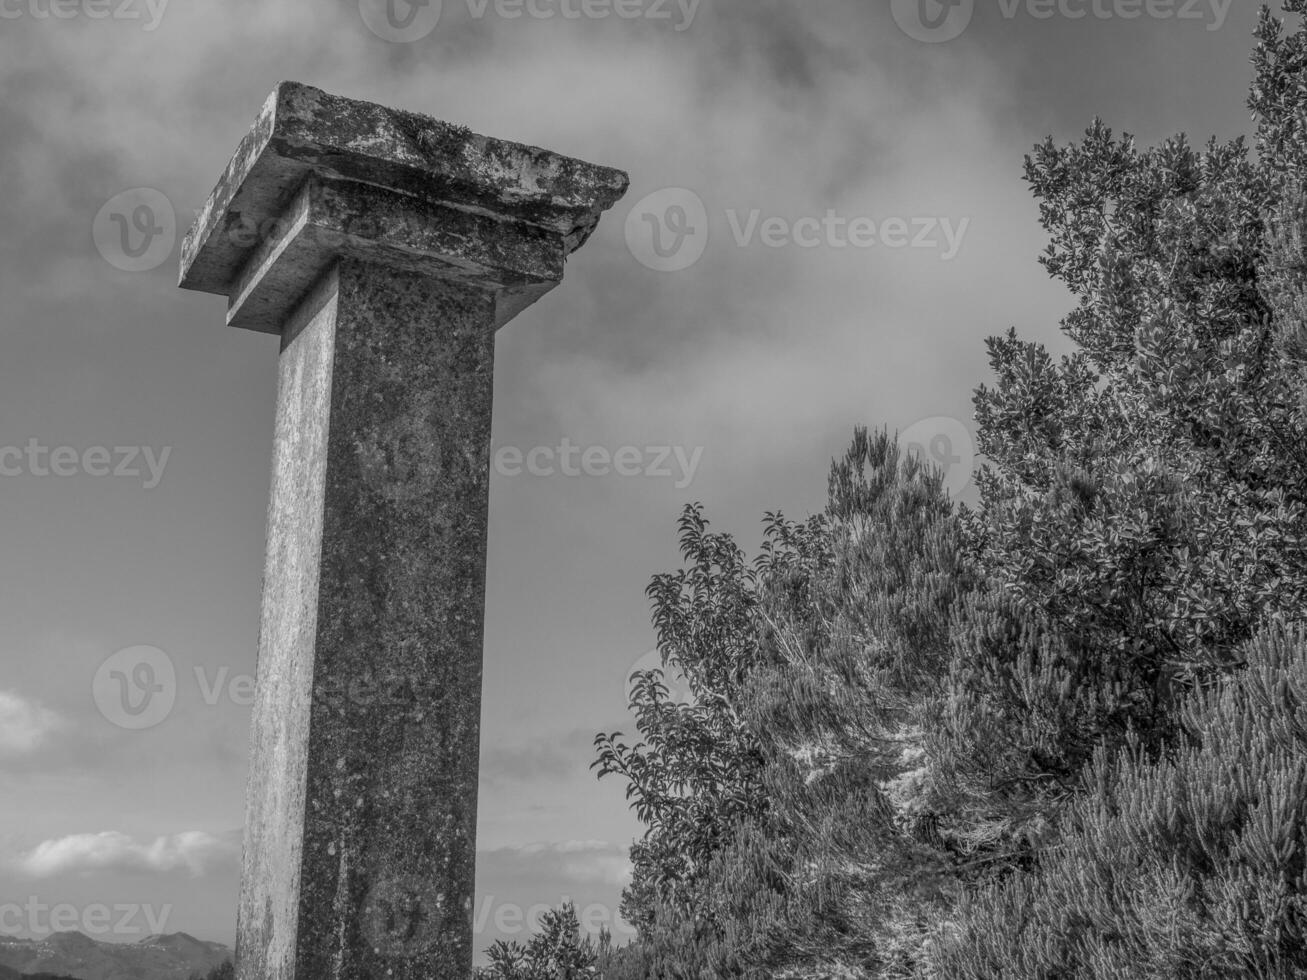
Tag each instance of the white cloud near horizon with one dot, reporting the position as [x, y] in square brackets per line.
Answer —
[195, 852]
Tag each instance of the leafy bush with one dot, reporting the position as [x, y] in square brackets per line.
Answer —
[557, 952]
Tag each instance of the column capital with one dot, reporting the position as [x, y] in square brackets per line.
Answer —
[320, 177]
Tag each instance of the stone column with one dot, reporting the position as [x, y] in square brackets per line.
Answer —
[384, 248]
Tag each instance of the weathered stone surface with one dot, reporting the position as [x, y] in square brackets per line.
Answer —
[303, 131]
[331, 219]
[268, 915]
[361, 813]
[384, 248]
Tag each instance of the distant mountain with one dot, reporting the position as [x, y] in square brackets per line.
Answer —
[73, 955]
[8, 974]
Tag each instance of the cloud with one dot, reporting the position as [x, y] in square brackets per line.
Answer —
[25, 725]
[574, 862]
[193, 851]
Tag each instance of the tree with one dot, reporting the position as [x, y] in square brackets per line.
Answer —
[859, 645]
[693, 776]
[1182, 452]
[935, 742]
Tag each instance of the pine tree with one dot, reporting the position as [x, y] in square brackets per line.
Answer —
[859, 649]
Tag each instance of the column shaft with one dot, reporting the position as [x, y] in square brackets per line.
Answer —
[360, 848]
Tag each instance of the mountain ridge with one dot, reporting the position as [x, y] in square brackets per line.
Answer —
[76, 956]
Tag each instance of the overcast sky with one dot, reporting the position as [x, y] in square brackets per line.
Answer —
[756, 360]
